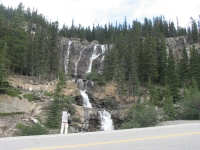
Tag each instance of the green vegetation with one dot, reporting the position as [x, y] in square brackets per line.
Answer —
[31, 97]
[9, 114]
[141, 115]
[60, 102]
[96, 77]
[14, 92]
[190, 107]
[35, 129]
[110, 103]
[31, 45]
[3, 68]
[50, 94]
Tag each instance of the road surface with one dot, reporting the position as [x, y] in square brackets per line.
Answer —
[170, 137]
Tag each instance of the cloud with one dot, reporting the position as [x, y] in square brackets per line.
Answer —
[89, 12]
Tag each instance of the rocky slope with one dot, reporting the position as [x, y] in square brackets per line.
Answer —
[89, 118]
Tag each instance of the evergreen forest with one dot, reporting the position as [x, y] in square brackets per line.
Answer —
[29, 45]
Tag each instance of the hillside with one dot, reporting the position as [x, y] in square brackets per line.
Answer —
[110, 77]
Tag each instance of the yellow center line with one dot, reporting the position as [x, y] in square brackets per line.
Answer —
[113, 142]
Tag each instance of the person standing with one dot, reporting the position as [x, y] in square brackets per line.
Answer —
[64, 124]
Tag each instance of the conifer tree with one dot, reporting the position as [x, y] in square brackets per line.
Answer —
[16, 42]
[184, 67]
[162, 61]
[53, 60]
[3, 67]
[53, 120]
[169, 108]
[172, 77]
[172, 30]
[194, 31]
[151, 62]
[195, 65]
[119, 67]
[108, 68]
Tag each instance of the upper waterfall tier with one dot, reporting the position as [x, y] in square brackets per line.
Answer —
[80, 58]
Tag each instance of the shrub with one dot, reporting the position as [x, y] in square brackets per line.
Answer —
[169, 108]
[48, 94]
[141, 115]
[69, 99]
[35, 129]
[110, 103]
[31, 97]
[96, 77]
[190, 107]
[14, 92]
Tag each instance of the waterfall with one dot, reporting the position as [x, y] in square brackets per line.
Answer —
[106, 121]
[94, 56]
[76, 62]
[102, 48]
[86, 100]
[101, 62]
[67, 58]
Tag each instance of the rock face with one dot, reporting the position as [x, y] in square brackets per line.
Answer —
[78, 56]
[177, 44]
[31, 83]
[10, 104]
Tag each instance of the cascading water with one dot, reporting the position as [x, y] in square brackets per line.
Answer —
[106, 121]
[67, 58]
[76, 63]
[101, 62]
[94, 56]
[102, 48]
[86, 100]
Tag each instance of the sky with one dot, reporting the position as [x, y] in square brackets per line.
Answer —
[89, 12]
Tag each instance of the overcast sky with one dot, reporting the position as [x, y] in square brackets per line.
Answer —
[89, 12]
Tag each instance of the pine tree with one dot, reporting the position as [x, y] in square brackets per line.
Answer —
[108, 69]
[53, 119]
[162, 61]
[195, 65]
[151, 62]
[172, 30]
[184, 67]
[3, 68]
[53, 60]
[169, 108]
[172, 77]
[16, 42]
[194, 31]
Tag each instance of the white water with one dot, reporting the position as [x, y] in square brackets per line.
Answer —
[86, 101]
[101, 64]
[94, 56]
[106, 121]
[103, 49]
[67, 58]
[76, 62]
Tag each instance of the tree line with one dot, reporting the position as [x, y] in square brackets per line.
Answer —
[29, 45]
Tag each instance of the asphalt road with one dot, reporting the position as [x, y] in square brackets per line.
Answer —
[171, 137]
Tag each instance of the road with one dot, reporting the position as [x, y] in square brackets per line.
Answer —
[171, 137]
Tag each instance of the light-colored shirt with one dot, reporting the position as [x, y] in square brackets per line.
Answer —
[65, 116]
